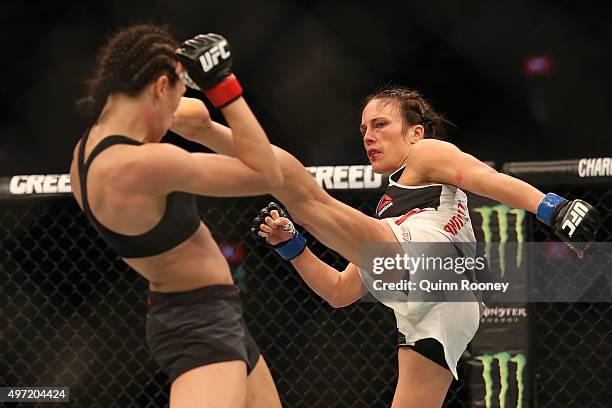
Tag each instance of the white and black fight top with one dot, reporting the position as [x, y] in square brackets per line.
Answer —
[427, 211]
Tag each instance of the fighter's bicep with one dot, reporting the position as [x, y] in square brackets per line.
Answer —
[223, 176]
[164, 168]
[443, 162]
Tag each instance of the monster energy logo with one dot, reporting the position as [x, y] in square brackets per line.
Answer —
[502, 212]
[506, 362]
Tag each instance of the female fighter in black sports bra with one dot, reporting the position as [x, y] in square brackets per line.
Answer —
[139, 195]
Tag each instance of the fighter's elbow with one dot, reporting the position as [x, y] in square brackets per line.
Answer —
[336, 303]
[342, 299]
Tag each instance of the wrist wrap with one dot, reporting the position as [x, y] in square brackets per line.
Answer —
[292, 248]
[548, 205]
[225, 92]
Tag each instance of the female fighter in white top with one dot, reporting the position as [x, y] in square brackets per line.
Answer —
[396, 127]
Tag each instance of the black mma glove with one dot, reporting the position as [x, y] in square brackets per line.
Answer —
[288, 249]
[208, 61]
[574, 222]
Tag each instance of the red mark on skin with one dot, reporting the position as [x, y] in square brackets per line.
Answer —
[459, 178]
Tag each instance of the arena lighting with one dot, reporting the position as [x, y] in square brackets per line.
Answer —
[558, 251]
[233, 252]
[538, 65]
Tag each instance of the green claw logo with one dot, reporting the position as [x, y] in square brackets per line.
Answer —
[503, 213]
[506, 362]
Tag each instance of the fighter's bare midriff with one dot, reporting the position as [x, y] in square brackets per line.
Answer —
[195, 263]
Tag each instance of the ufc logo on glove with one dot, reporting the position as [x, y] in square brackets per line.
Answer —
[577, 211]
[208, 61]
[210, 58]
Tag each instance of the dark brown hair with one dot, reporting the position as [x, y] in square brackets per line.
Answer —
[415, 110]
[131, 59]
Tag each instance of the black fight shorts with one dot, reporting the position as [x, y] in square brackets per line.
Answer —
[190, 329]
[429, 348]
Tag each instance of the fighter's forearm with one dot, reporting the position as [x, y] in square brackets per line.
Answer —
[251, 143]
[220, 139]
[338, 288]
[512, 192]
[320, 277]
[217, 137]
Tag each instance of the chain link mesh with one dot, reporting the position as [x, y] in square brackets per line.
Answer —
[73, 314]
[572, 342]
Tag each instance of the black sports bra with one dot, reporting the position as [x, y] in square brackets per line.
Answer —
[179, 222]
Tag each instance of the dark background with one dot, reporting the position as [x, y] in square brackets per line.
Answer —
[306, 65]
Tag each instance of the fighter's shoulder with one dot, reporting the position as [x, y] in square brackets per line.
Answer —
[432, 146]
[427, 152]
[153, 156]
[147, 167]
[74, 161]
[74, 174]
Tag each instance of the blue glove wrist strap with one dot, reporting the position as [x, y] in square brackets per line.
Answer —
[292, 248]
[547, 206]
